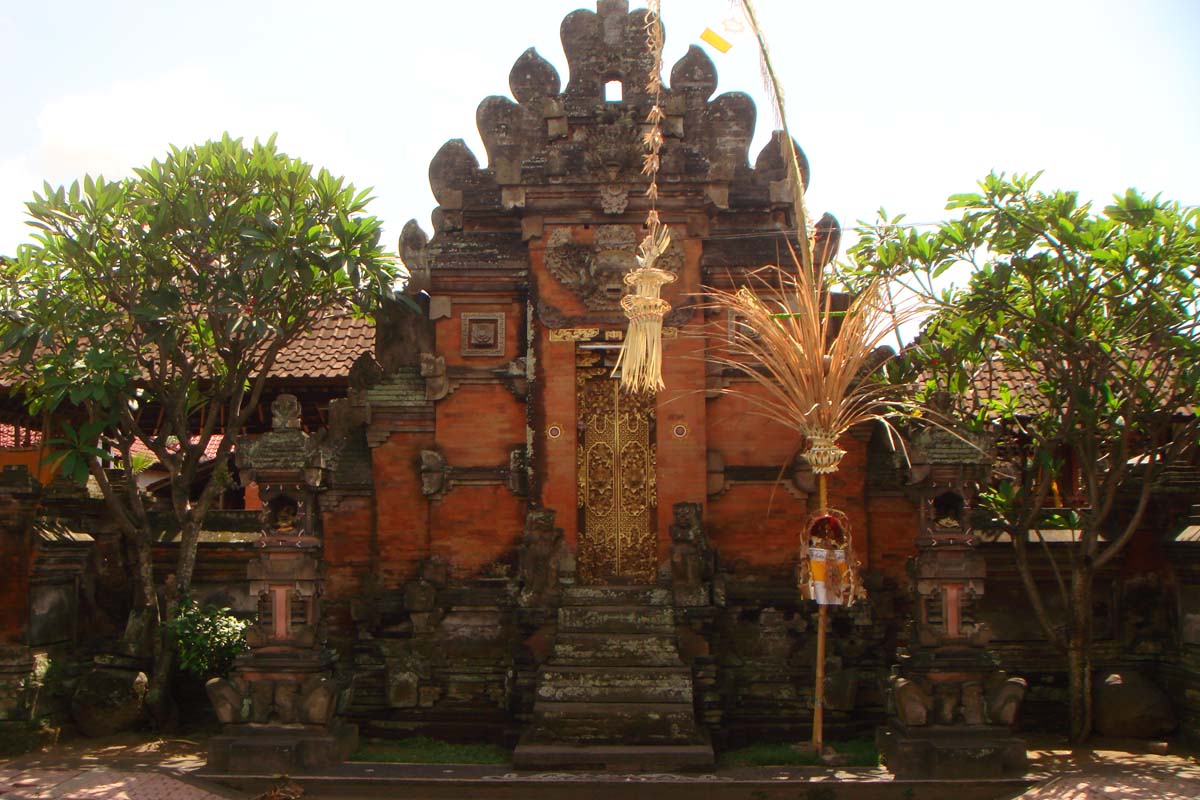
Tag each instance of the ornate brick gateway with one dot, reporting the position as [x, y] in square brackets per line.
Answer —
[599, 637]
[465, 529]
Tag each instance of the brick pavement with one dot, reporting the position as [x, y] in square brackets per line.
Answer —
[1121, 770]
[97, 784]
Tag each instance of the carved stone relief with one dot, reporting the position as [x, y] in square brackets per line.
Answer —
[595, 273]
[482, 333]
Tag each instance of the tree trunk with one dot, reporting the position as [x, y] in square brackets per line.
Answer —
[162, 704]
[1079, 655]
[142, 625]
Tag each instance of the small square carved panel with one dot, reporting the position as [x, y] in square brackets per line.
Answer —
[482, 333]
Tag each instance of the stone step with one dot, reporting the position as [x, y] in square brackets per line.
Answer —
[614, 758]
[608, 650]
[616, 619]
[615, 684]
[615, 723]
[616, 596]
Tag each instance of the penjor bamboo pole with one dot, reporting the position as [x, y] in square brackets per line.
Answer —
[818, 736]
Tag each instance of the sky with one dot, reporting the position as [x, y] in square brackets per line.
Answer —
[897, 104]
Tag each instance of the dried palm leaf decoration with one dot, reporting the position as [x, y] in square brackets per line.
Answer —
[640, 361]
[812, 368]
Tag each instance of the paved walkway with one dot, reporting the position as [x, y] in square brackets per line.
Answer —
[122, 767]
[132, 767]
[1111, 770]
[98, 784]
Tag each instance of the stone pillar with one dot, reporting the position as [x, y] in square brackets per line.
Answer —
[950, 706]
[278, 706]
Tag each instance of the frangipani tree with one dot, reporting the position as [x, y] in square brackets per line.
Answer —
[150, 310]
[1076, 335]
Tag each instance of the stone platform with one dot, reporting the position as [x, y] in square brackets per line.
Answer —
[951, 752]
[281, 749]
[615, 694]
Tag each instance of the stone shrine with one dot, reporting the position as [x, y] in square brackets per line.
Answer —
[278, 705]
[952, 707]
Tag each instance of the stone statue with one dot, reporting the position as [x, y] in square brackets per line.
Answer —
[285, 413]
[912, 702]
[691, 556]
[541, 555]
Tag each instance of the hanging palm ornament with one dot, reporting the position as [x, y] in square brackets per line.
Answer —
[814, 370]
[640, 360]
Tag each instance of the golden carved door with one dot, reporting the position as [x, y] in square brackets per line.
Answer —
[617, 496]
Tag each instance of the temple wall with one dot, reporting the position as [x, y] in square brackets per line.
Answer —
[15, 566]
[348, 525]
[680, 432]
[401, 510]
[475, 527]
[479, 425]
[554, 403]
[891, 518]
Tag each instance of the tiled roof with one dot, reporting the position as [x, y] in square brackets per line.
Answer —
[139, 448]
[1023, 384]
[328, 350]
[10, 438]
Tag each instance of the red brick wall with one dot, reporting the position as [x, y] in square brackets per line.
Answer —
[682, 462]
[892, 521]
[347, 529]
[743, 437]
[402, 512]
[474, 526]
[14, 586]
[738, 526]
[478, 425]
[554, 459]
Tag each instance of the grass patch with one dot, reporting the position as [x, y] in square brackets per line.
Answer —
[861, 752]
[424, 750]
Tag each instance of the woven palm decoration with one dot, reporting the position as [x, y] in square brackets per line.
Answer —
[640, 361]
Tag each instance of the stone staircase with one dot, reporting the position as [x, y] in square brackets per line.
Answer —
[614, 694]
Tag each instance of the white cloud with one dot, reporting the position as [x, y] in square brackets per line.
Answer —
[17, 182]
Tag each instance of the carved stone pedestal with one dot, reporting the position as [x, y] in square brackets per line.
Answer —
[278, 711]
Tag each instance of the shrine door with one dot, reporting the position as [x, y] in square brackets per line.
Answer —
[617, 496]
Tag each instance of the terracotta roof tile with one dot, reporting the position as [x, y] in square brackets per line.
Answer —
[328, 350]
[10, 438]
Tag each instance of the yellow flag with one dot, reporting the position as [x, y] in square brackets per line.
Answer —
[714, 39]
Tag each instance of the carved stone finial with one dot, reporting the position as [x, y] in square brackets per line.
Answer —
[285, 413]
[449, 171]
[695, 75]
[532, 78]
[413, 241]
[605, 45]
[365, 372]
[827, 239]
[771, 166]
[729, 122]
